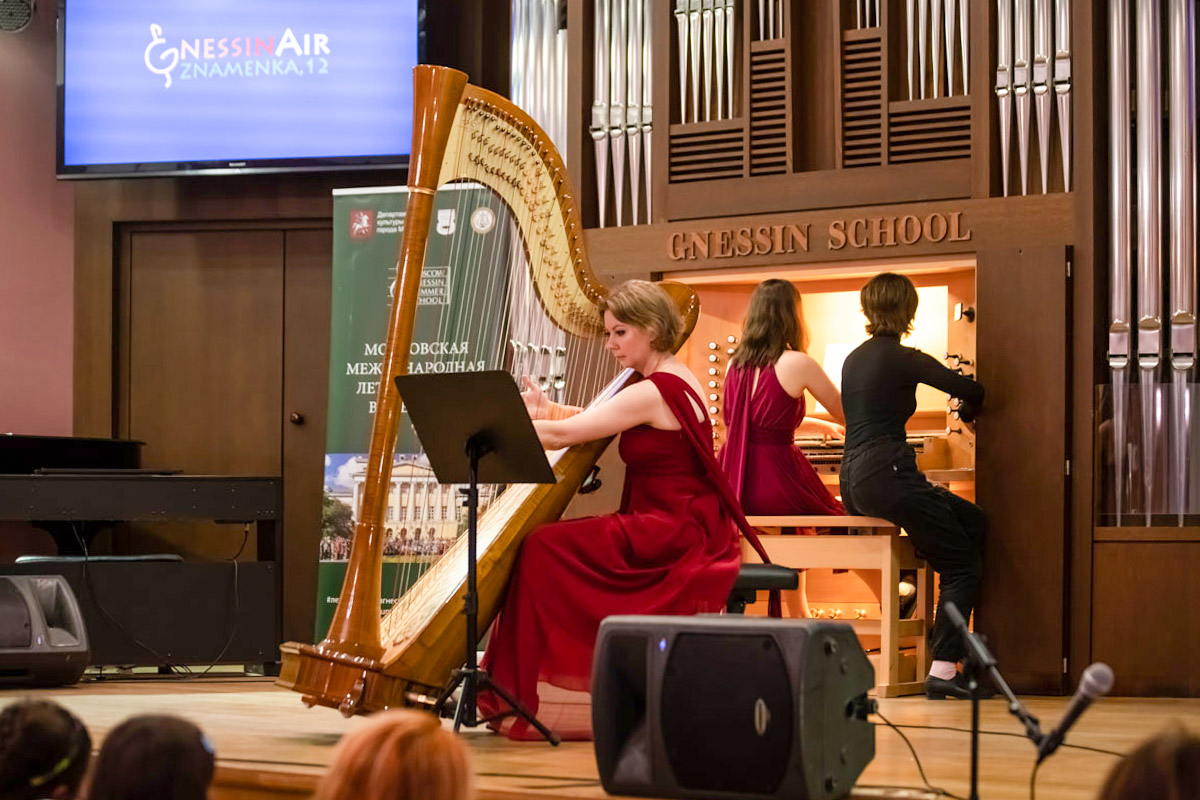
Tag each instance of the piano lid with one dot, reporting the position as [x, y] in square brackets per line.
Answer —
[22, 454]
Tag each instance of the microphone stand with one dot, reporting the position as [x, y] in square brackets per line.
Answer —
[978, 662]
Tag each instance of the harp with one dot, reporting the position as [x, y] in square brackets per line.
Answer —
[365, 664]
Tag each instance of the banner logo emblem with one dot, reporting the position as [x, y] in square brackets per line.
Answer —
[171, 54]
[483, 220]
[362, 224]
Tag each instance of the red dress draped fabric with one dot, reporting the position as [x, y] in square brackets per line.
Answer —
[768, 472]
[672, 548]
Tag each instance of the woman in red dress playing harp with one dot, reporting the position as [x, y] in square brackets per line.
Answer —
[672, 548]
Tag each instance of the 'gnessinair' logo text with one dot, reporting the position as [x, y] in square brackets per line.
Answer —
[236, 56]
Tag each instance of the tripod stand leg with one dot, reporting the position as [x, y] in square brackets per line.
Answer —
[458, 716]
[485, 681]
[439, 705]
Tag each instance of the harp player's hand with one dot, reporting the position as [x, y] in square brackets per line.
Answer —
[536, 402]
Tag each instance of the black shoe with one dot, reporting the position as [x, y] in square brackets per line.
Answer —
[956, 687]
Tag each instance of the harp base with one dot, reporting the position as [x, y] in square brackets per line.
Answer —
[351, 684]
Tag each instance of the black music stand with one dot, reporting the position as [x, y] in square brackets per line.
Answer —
[475, 428]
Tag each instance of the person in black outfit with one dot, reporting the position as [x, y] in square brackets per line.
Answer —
[879, 475]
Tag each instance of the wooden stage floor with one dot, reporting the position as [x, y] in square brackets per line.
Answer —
[270, 746]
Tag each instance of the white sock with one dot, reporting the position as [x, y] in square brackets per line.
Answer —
[943, 669]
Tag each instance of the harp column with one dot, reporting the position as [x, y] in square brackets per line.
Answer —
[354, 630]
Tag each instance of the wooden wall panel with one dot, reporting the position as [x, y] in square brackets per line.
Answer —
[825, 189]
[1041, 220]
[1021, 438]
[308, 255]
[817, 88]
[1145, 614]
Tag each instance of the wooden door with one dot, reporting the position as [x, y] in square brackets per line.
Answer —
[1021, 461]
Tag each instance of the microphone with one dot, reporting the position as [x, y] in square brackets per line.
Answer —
[1096, 680]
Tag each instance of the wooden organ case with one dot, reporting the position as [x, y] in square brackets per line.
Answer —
[826, 141]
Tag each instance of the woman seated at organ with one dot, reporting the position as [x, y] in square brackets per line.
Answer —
[769, 372]
[671, 548]
[879, 475]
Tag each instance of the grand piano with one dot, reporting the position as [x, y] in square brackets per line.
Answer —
[148, 609]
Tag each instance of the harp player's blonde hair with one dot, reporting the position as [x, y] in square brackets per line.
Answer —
[647, 306]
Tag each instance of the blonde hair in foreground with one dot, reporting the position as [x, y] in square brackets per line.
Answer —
[399, 755]
[646, 305]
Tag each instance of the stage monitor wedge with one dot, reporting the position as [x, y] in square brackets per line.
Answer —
[730, 708]
[43, 641]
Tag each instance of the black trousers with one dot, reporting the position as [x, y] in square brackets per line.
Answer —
[880, 479]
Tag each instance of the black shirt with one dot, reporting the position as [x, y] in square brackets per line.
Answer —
[879, 388]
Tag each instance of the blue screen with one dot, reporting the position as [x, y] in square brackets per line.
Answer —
[236, 80]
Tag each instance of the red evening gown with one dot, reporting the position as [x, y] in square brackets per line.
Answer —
[672, 548]
[768, 473]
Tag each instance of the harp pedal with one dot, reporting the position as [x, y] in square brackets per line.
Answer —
[350, 703]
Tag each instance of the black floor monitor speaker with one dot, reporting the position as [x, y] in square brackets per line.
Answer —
[730, 708]
[42, 636]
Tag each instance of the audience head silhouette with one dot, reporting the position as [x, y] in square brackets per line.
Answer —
[399, 755]
[153, 757]
[1165, 767]
[44, 751]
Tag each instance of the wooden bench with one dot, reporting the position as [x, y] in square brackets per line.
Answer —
[869, 543]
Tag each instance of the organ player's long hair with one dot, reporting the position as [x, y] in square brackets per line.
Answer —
[774, 323]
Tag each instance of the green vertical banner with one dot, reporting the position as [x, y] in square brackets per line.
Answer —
[460, 326]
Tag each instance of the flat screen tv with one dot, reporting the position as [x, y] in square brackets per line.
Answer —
[148, 87]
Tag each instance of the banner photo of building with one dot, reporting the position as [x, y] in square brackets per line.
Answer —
[450, 335]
